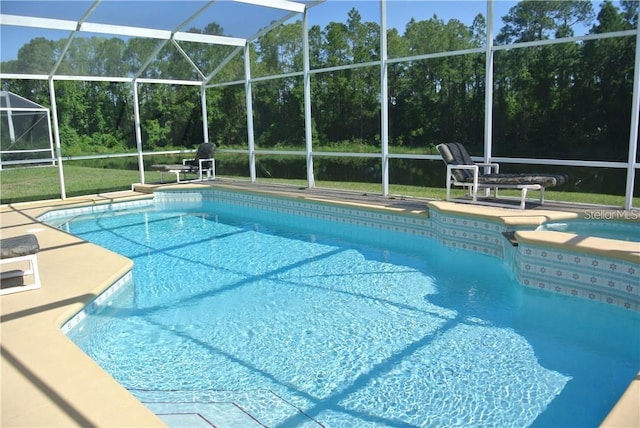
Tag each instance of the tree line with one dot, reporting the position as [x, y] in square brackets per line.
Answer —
[566, 101]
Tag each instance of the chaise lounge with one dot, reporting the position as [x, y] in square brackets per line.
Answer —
[203, 162]
[19, 251]
[464, 172]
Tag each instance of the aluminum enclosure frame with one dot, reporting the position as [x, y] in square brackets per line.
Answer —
[29, 107]
[242, 47]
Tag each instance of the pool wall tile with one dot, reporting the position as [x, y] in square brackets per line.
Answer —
[414, 224]
[103, 300]
[472, 234]
[611, 281]
[51, 216]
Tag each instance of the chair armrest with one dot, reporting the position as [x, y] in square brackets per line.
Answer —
[200, 161]
[495, 168]
[474, 168]
[471, 186]
[471, 167]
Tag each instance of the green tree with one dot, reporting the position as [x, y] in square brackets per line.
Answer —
[227, 112]
[37, 57]
[437, 96]
[278, 51]
[534, 86]
[278, 103]
[605, 97]
[346, 103]
[531, 20]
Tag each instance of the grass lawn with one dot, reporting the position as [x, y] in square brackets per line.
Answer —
[29, 184]
[440, 192]
[37, 183]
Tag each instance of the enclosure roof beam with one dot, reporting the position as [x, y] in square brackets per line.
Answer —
[277, 4]
[33, 22]
[254, 37]
[73, 35]
[99, 79]
[162, 43]
[118, 30]
[188, 59]
[209, 38]
[273, 25]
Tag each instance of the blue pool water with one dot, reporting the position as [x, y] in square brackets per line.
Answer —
[243, 321]
[620, 230]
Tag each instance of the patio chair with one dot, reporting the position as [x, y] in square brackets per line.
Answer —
[464, 172]
[203, 162]
[19, 251]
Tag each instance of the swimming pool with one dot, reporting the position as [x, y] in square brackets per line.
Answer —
[390, 330]
[620, 230]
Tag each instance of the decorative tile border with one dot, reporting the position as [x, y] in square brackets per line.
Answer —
[418, 225]
[611, 281]
[469, 233]
[103, 300]
[51, 216]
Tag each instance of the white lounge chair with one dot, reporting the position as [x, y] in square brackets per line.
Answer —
[462, 171]
[202, 163]
[19, 251]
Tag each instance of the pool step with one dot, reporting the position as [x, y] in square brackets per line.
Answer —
[224, 409]
[221, 415]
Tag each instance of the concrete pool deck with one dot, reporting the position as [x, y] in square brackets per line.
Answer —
[48, 381]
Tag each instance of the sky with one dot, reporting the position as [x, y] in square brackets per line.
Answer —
[237, 19]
